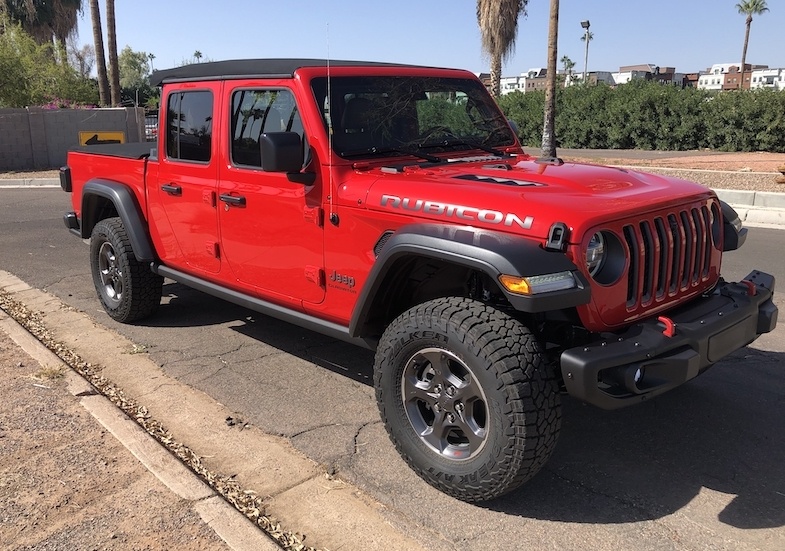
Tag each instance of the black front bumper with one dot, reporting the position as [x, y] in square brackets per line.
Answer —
[649, 359]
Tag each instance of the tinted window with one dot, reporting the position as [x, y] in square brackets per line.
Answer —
[376, 115]
[255, 112]
[190, 126]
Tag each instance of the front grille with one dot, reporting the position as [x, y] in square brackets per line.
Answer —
[669, 254]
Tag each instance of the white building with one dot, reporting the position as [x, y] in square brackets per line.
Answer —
[768, 78]
[714, 78]
[511, 84]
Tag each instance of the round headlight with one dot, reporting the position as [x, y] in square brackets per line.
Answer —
[595, 254]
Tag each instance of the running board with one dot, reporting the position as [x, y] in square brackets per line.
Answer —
[300, 319]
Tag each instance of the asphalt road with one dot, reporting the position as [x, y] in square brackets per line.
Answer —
[698, 468]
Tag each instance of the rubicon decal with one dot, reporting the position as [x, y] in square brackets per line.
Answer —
[461, 212]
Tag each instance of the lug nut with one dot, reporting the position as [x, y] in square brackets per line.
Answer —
[450, 418]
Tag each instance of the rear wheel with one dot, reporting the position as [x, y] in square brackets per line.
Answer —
[127, 288]
[466, 397]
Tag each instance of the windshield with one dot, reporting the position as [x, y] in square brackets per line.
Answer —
[382, 116]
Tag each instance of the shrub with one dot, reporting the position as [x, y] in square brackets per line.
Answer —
[649, 115]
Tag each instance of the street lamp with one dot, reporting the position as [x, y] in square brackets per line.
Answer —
[585, 24]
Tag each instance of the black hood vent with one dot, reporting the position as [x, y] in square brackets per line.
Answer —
[497, 180]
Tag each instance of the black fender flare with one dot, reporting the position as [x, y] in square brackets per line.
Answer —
[128, 209]
[493, 253]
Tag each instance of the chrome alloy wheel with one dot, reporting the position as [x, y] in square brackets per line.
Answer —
[445, 403]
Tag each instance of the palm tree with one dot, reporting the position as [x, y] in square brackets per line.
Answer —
[568, 65]
[197, 55]
[44, 20]
[151, 57]
[498, 22]
[100, 60]
[548, 127]
[114, 68]
[749, 8]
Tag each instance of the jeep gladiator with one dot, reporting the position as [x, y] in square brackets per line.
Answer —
[392, 206]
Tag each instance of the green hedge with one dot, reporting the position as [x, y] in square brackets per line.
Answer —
[648, 115]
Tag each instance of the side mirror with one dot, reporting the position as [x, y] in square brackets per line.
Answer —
[281, 152]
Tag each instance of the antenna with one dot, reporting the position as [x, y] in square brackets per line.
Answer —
[330, 185]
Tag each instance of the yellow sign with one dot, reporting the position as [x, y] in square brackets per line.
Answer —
[100, 137]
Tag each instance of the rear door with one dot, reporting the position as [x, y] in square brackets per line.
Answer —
[187, 178]
[271, 224]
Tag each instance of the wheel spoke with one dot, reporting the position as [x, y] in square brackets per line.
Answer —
[414, 389]
[474, 433]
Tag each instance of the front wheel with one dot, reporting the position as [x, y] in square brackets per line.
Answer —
[127, 288]
[467, 397]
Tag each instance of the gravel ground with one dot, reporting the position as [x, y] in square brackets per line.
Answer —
[65, 483]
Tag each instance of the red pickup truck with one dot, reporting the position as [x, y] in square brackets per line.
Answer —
[392, 206]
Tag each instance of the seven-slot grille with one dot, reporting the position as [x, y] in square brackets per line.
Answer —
[669, 253]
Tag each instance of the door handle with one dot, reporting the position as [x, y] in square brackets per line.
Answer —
[234, 200]
[172, 189]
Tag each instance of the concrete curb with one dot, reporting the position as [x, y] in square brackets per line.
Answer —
[15, 183]
[756, 208]
[226, 521]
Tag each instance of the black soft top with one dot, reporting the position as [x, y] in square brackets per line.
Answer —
[245, 68]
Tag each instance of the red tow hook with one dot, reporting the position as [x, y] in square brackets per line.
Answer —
[752, 289]
[670, 326]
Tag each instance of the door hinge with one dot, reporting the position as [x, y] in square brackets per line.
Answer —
[208, 196]
[314, 274]
[213, 249]
[313, 215]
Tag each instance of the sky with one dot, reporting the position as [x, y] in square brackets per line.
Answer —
[689, 35]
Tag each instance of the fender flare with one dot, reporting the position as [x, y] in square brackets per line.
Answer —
[128, 209]
[492, 253]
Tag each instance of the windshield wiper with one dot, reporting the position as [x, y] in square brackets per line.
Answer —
[467, 143]
[385, 150]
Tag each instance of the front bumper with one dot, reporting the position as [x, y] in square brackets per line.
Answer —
[655, 356]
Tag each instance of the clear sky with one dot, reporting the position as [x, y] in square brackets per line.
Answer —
[690, 35]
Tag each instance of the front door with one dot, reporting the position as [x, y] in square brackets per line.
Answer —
[271, 226]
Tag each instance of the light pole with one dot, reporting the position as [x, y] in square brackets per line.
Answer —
[585, 24]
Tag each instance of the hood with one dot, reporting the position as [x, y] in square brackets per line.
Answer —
[518, 195]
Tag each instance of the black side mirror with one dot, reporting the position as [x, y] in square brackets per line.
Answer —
[281, 152]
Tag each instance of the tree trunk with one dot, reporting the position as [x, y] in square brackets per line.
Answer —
[549, 123]
[114, 68]
[744, 51]
[100, 61]
[496, 76]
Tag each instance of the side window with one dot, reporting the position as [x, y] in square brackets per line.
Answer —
[190, 126]
[255, 112]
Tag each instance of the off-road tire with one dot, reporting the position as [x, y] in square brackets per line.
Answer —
[499, 367]
[128, 289]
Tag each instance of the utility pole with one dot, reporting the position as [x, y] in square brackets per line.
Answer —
[585, 24]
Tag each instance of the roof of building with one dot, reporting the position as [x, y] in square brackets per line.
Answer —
[245, 68]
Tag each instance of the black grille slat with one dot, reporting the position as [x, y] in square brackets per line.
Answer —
[668, 254]
[665, 248]
[648, 250]
[634, 270]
